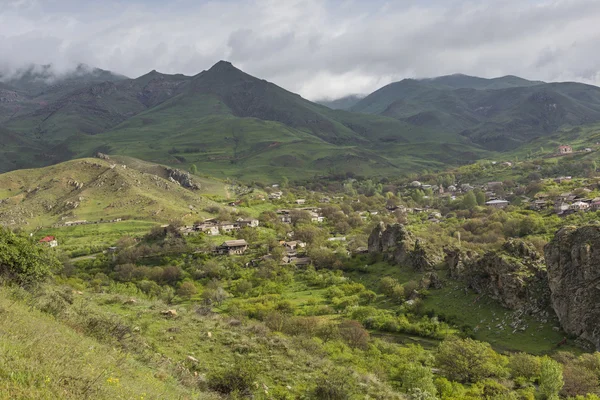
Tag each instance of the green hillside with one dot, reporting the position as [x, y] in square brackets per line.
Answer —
[229, 124]
[498, 114]
[96, 190]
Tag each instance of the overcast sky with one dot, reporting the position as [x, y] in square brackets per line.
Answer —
[318, 48]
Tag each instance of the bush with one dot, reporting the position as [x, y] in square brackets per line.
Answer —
[469, 361]
[336, 386]
[24, 262]
[238, 379]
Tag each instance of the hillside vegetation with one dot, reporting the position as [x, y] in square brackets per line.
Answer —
[97, 190]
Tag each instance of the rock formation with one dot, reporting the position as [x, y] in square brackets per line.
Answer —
[182, 178]
[573, 263]
[398, 245]
[515, 276]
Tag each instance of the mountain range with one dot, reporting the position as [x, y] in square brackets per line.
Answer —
[231, 124]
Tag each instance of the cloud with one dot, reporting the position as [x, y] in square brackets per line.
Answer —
[320, 49]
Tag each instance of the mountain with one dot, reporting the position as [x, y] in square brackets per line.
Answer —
[343, 103]
[498, 114]
[229, 124]
[37, 80]
[95, 190]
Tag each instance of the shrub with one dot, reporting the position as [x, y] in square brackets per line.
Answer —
[238, 379]
[186, 290]
[354, 334]
[23, 261]
[551, 378]
[335, 386]
[523, 365]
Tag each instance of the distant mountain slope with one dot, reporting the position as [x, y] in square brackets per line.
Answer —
[93, 190]
[230, 124]
[499, 114]
[344, 103]
[37, 80]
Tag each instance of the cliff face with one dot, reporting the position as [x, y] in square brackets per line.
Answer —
[399, 246]
[573, 262]
[515, 276]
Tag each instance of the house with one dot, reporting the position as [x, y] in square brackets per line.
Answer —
[300, 201]
[539, 204]
[228, 227]
[337, 239]
[249, 222]
[560, 207]
[452, 188]
[232, 247]
[415, 184]
[579, 206]
[275, 195]
[497, 203]
[588, 150]
[507, 164]
[73, 223]
[285, 218]
[49, 241]
[595, 206]
[315, 217]
[565, 149]
[209, 229]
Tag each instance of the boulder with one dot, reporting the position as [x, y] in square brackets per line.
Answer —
[169, 313]
[182, 178]
[573, 263]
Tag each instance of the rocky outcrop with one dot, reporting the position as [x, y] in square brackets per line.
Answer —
[182, 178]
[398, 245]
[573, 263]
[515, 276]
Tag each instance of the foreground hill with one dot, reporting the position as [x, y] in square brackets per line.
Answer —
[228, 123]
[499, 114]
[94, 190]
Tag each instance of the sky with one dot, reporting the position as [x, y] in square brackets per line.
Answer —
[318, 48]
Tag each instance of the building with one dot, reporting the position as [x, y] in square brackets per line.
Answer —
[595, 205]
[275, 195]
[565, 149]
[49, 241]
[232, 247]
[249, 222]
[494, 185]
[228, 227]
[300, 201]
[315, 217]
[579, 206]
[497, 203]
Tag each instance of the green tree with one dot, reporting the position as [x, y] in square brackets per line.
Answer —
[24, 261]
[480, 196]
[186, 290]
[551, 378]
[194, 169]
[469, 361]
[469, 201]
[417, 377]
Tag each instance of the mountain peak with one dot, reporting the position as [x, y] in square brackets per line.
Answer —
[223, 66]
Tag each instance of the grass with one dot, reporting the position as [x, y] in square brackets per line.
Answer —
[101, 235]
[95, 190]
[41, 358]
[480, 315]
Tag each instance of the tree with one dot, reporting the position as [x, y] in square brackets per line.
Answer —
[354, 334]
[551, 378]
[480, 196]
[24, 261]
[194, 169]
[416, 377]
[187, 290]
[469, 361]
[469, 201]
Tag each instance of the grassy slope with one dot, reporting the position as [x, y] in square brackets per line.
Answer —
[40, 358]
[40, 197]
